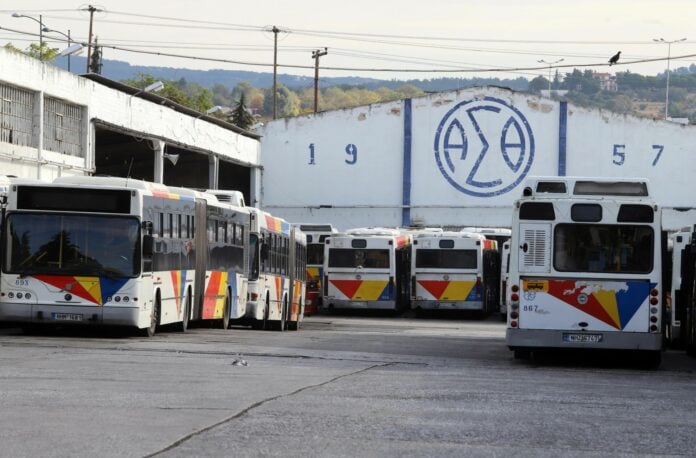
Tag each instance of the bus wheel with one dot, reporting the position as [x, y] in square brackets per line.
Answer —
[295, 325]
[282, 324]
[154, 319]
[522, 353]
[183, 326]
[652, 359]
[225, 321]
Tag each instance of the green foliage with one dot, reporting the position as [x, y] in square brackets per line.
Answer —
[241, 116]
[35, 51]
[191, 95]
[538, 84]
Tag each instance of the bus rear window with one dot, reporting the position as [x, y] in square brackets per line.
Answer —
[537, 211]
[603, 248]
[633, 213]
[446, 259]
[368, 259]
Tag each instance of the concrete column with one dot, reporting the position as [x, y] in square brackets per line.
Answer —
[213, 171]
[158, 147]
[39, 130]
[255, 194]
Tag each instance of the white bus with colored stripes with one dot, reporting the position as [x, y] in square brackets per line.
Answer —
[277, 273]
[447, 271]
[316, 236]
[586, 267]
[367, 268]
[116, 251]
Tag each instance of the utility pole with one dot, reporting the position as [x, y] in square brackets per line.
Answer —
[275, 31]
[550, 64]
[316, 55]
[91, 10]
[669, 49]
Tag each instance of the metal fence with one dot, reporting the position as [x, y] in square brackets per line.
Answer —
[16, 115]
[63, 127]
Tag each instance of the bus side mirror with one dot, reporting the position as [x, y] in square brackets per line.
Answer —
[147, 227]
[148, 245]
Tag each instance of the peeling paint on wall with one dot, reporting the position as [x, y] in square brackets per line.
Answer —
[543, 107]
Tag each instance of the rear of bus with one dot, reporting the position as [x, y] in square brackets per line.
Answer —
[360, 271]
[316, 236]
[585, 268]
[446, 271]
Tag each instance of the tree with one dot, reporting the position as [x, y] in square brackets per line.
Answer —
[35, 51]
[538, 84]
[241, 116]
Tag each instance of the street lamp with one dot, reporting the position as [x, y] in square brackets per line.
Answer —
[47, 30]
[550, 64]
[669, 48]
[40, 21]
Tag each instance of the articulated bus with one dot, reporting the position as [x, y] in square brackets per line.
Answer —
[586, 267]
[367, 268]
[116, 251]
[447, 271]
[277, 264]
[316, 236]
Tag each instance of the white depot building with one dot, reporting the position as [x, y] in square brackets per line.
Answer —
[461, 158]
[55, 123]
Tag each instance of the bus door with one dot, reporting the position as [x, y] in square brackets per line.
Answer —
[201, 253]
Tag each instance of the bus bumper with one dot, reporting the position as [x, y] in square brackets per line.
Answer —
[69, 314]
[364, 305]
[545, 338]
[440, 305]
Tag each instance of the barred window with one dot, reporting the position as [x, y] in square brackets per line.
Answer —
[16, 116]
[63, 127]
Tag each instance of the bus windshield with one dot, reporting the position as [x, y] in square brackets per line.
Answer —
[315, 254]
[603, 248]
[446, 259]
[369, 259]
[62, 244]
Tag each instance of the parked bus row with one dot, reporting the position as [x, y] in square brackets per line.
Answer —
[117, 251]
[400, 269]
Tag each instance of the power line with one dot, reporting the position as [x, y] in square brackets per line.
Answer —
[375, 70]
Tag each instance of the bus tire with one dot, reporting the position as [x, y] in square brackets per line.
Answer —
[225, 320]
[283, 322]
[183, 326]
[295, 325]
[522, 353]
[154, 319]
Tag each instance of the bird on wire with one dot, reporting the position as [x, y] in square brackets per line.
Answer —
[615, 58]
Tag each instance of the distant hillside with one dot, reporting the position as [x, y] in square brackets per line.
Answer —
[119, 71]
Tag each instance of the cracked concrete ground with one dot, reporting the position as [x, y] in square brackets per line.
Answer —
[343, 386]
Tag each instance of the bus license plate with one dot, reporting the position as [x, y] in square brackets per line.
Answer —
[66, 316]
[582, 338]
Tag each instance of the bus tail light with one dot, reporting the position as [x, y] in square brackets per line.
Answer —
[514, 288]
[254, 296]
[514, 297]
[513, 324]
[478, 284]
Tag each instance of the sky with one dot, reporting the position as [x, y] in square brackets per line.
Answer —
[374, 38]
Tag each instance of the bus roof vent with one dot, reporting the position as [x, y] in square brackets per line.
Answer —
[611, 188]
[317, 228]
[231, 197]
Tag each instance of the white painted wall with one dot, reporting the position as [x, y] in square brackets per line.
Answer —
[112, 107]
[458, 191]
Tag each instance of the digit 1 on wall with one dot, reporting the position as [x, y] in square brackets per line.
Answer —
[311, 154]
